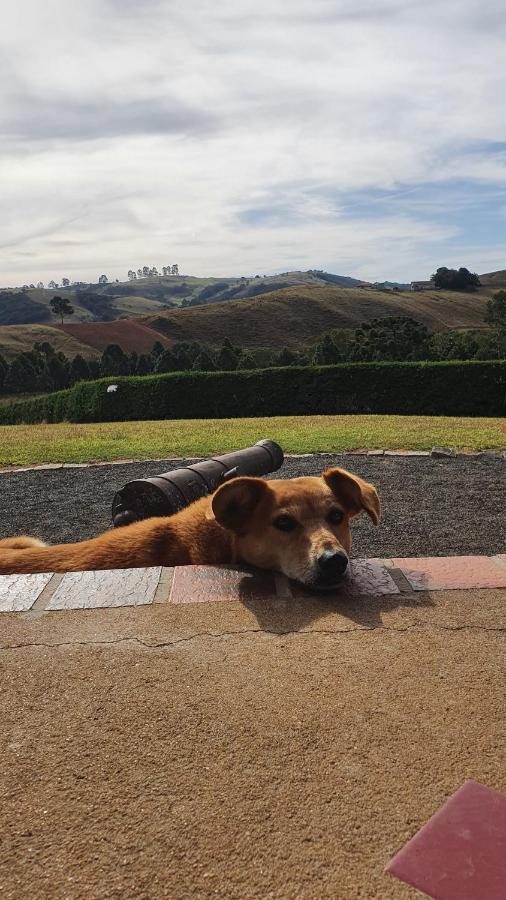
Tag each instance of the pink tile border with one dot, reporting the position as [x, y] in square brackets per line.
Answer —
[440, 573]
[460, 853]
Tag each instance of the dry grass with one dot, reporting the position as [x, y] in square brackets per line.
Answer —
[298, 315]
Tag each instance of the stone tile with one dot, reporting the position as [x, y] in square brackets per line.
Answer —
[18, 593]
[451, 572]
[442, 452]
[460, 854]
[163, 590]
[114, 587]
[407, 452]
[211, 584]
[366, 578]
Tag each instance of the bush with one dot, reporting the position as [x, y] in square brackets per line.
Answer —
[414, 388]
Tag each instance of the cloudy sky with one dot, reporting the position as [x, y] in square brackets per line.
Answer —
[364, 137]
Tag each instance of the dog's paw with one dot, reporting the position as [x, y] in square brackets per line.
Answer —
[21, 542]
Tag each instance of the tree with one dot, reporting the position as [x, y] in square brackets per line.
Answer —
[325, 352]
[247, 361]
[56, 372]
[61, 306]
[131, 275]
[182, 357]
[65, 282]
[145, 271]
[114, 361]
[174, 269]
[52, 285]
[496, 309]
[455, 279]
[79, 369]
[286, 358]
[166, 362]
[40, 285]
[94, 367]
[157, 349]
[133, 358]
[144, 364]
[21, 376]
[103, 279]
[193, 349]
[139, 273]
[391, 338]
[204, 362]
[3, 371]
[227, 358]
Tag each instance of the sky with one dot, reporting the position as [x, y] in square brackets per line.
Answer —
[362, 137]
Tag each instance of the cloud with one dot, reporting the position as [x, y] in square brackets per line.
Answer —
[252, 135]
[53, 118]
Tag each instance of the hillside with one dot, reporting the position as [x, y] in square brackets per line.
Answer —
[290, 317]
[130, 334]
[16, 339]
[296, 316]
[146, 296]
[494, 280]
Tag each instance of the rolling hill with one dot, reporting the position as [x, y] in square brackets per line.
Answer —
[296, 316]
[16, 339]
[126, 300]
[293, 315]
[130, 334]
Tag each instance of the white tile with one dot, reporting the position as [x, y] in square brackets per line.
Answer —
[111, 587]
[19, 592]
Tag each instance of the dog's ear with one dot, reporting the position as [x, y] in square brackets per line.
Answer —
[234, 502]
[355, 493]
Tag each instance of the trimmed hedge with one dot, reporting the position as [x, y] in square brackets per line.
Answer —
[405, 388]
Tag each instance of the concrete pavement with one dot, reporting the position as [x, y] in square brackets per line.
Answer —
[278, 747]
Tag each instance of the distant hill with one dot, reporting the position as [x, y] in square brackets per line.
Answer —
[494, 279]
[291, 316]
[298, 315]
[15, 339]
[145, 296]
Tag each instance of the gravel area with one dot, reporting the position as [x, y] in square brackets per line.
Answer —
[431, 507]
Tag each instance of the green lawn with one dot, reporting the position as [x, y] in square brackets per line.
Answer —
[26, 444]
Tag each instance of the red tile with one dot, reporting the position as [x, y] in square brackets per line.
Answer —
[439, 573]
[366, 578]
[460, 854]
[210, 584]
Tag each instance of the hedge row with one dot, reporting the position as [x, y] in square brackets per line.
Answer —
[420, 388]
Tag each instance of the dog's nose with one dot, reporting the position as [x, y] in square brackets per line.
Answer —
[333, 563]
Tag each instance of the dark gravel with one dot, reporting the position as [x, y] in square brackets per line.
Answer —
[430, 507]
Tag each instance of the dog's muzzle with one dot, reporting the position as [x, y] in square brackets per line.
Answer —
[332, 566]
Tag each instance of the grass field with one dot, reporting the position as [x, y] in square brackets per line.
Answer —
[29, 444]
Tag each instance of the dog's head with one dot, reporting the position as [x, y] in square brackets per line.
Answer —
[299, 527]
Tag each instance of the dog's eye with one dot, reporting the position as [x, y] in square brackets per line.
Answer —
[335, 517]
[285, 523]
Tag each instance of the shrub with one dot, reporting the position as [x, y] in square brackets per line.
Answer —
[415, 388]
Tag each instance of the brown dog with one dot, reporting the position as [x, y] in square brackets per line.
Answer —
[298, 527]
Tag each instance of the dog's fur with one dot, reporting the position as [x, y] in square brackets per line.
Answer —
[240, 523]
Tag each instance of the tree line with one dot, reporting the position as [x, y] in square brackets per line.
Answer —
[392, 338]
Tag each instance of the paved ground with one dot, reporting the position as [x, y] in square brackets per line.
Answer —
[217, 749]
[270, 746]
[431, 507]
